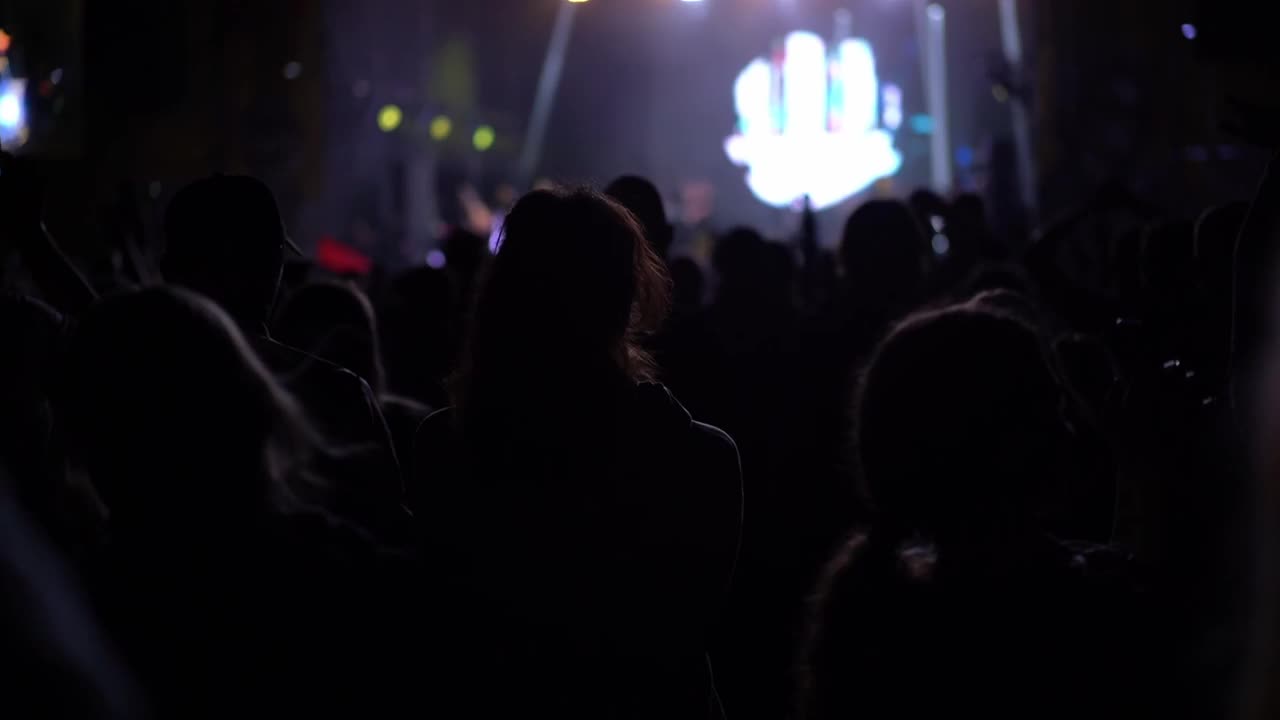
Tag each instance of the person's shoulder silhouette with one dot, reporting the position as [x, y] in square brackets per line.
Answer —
[956, 582]
[225, 239]
[565, 490]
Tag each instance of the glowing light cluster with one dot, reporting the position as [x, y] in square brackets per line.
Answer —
[808, 125]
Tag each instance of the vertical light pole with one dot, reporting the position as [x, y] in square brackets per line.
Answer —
[545, 96]
[1011, 42]
[931, 20]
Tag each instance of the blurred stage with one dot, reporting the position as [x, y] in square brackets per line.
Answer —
[381, 122]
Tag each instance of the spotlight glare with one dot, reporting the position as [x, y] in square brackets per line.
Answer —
[14, 131]
[10, 110]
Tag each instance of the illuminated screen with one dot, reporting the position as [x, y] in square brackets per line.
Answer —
[809, 122]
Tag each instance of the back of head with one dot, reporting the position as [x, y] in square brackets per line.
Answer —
[957, 419]
[1215, 245]
[927, 204]
[741, 260]
[644, 201]
[687, 283]
[334, 321]
[1168, 261]
[891, 637]
[172, 415]
[419, 323]
[882, 254]
[224, 238]
[571, 291]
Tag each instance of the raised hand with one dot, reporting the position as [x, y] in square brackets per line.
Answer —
[807, 123]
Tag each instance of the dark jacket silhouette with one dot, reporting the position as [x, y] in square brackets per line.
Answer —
[585, 525]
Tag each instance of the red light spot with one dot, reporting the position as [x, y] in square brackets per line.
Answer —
[341, 258]
[5, 41]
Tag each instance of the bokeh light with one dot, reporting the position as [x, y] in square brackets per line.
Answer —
[389, 118]
[484, 138]
[441, 127]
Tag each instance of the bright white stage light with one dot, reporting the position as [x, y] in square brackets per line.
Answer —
[820, 136]
[11, 109]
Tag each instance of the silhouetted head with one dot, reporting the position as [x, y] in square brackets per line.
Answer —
[224, 238]
[172, 415]
[1215, 246]
[994, 276]
[957, 419]
[927, 204]
[644, 201]
[568, 297]
[968, 230]
[1168, 261]
[333, 321]
[419, 321]
[687, 283]
[741, 260]
[882, 254]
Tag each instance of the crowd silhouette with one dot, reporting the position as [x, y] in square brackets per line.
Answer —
[581, 477]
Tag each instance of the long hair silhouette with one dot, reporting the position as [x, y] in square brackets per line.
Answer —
[566, 303]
